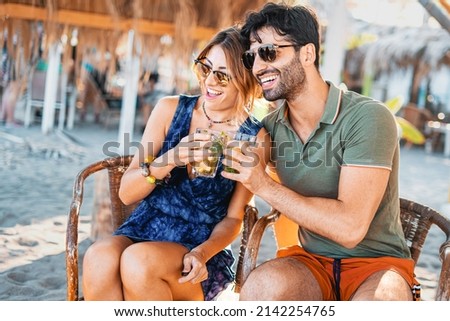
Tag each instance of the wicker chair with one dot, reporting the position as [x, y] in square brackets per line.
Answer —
[416, 221]
[116, 166]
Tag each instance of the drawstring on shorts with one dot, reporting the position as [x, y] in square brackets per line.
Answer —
[337, 278]
[416, 292]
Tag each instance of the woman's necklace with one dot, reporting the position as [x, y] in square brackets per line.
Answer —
[211, 122]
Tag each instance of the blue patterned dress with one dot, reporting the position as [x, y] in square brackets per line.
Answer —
[185, 210]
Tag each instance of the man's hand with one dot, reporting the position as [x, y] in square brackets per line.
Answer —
[247, 166]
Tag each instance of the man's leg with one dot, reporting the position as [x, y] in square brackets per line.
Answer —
[383, 286]
[281, 279]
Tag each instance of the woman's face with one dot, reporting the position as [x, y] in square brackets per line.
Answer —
[217, 87]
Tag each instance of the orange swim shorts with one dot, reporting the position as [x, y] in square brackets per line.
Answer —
[353, 271]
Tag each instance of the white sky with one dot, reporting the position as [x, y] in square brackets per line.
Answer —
[389, 12]
[400, 13]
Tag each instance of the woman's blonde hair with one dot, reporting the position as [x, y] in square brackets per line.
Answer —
[248, 88]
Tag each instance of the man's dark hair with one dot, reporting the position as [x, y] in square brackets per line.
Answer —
[299, 24]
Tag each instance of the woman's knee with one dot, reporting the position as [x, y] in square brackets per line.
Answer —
[149, 260]
[104, 255]
[138, 261]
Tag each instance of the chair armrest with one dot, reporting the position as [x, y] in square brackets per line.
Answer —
[250, 218]
[72, 230]
[443, 291]
[254, 240]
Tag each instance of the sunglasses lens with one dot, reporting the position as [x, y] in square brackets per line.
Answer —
[248, 59]
[203, 69]
[221, 78]
[267, 53]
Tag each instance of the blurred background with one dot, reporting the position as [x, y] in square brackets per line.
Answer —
[75, 74]
[73, 61]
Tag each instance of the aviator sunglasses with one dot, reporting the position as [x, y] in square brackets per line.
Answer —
[268, 53]
[203, 70]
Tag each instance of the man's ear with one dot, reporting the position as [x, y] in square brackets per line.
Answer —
[309, 54]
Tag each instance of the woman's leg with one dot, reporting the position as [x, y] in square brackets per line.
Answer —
[150, 271]
[101, 274]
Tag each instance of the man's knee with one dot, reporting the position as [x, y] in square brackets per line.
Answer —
[384, 286]
[281, 279]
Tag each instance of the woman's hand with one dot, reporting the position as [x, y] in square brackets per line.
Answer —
[190, 149]
[194, 268]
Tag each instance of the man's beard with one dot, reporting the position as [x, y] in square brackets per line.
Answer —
[291, 82]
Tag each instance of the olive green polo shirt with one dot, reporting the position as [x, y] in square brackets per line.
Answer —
[353, 131]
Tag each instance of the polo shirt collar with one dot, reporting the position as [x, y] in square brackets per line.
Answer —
[332, 106]
[282, 113]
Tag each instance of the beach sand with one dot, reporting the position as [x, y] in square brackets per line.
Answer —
[37, 172]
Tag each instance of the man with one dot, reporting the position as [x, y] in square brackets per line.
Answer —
[336, 156]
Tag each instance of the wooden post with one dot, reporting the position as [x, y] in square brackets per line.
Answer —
[335, 42]
[72, 107]
[130, 91]
[63, 93]
[51, 88]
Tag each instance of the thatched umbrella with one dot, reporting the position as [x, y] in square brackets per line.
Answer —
[185, 21]
[174, 26]
[424, 49]
[404, 47]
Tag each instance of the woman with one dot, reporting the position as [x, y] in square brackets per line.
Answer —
[173, 246]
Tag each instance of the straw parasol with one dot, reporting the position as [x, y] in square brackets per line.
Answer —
[425, 49]
[102, 23]
[102, 34]
[402, 47]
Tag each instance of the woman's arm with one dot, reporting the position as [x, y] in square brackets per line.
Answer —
[134, 186]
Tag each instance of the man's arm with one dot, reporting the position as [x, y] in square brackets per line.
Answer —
[344, 220]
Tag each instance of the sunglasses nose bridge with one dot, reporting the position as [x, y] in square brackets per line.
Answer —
[210, 75]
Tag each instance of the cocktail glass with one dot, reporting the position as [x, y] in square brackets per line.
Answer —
[239, 142]
[214, 152]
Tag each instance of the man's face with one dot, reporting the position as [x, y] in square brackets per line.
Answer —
[280, 73]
